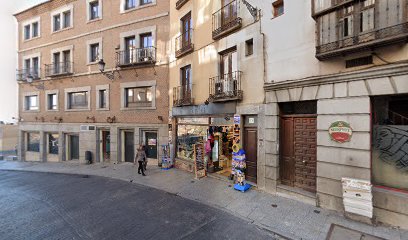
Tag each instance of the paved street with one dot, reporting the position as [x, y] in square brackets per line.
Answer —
[60, 206]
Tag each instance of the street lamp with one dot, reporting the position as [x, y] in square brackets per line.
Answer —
[109, 75]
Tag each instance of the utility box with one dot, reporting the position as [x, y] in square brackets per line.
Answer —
[358, 197]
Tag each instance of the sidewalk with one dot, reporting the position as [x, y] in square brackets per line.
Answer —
[288, 218]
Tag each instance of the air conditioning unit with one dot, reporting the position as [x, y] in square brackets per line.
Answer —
[87, 128]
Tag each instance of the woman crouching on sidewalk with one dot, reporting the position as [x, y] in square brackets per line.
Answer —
[140, 158]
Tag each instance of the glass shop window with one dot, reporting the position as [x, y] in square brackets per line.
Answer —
[187, 136]
[390, 141]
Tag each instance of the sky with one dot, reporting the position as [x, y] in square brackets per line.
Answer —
[8, 59]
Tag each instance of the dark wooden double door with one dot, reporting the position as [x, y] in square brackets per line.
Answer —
[298, 152]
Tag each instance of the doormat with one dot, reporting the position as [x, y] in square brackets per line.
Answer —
[338, 232]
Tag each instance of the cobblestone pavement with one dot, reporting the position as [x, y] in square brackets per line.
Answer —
[288, 218]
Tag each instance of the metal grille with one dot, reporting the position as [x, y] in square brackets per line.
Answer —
[356, 62]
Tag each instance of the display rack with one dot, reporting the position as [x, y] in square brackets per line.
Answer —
[200, 169]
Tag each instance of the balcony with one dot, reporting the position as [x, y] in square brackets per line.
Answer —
[364, 41]
[184, 43]
[59, 69]
[135, 57]
[226, 87]
[22, 75]
[180, 3]
[183, 96]
[226, 20]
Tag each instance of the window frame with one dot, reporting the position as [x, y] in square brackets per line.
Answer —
[48, 100]
[138, 4]
[25, 98]
[137, 85]
[49, 148]
[89, 44]
[29, 149]
[134, 101]
[31, 23]
[89, 10]
[61, 13]
[276, 5]
[68, 94]
[98, 89]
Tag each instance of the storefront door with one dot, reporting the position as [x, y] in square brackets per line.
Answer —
[251, 152]
[129, 146]
[74, 147]
[298, 151]
[106, 146]
[151, 145]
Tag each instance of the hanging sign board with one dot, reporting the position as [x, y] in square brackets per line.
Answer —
[340, 132]
[199, 160]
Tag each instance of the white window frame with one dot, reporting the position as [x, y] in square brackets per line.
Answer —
[28, 94]
[60, 12]
[88, 50]
[67, 91]
[47, 100]
[137, 33]
[88, 10]
[124, 86]
[99, 88]
[137, 6]
[31, 23]
[30, 57]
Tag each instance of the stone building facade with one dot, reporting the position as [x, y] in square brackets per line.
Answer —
[69, 105]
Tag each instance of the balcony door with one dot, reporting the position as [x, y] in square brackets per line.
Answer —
[66, 59]
[185, 31]
[56, 60]
[186, 82]
[229, 11]
[130, 50]
[228, 70]
[146, 42]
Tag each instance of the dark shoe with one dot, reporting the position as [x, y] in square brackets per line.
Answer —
[138, 172]
[143, 174]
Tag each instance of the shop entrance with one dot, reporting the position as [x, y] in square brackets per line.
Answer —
[151, 145]
[73, 147]
[105, 145]
[251, 147]
[129, 146]
[298, 145]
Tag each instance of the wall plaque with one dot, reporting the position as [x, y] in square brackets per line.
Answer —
[340, 131]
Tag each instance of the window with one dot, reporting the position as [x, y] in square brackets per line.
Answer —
[35, 32]
[61, 62]
[78, 100]
[62, 18]
[186, 33]
[33, 142]
[94, 52]
[144, 2]
[31, 103]
[249, 47]
[94, 10]
[390, 141]
[57, 22]
[32, 67]
[346, 22]
[367, 15]
[27, 32]
[103, 98]
[129, 4]
[139, 97]
[52, 101]
[53, 143]
[130, 49]
[278, 8]
[146, 40]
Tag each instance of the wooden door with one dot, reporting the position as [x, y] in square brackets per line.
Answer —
[151, 145]
[106, 145]
[129, 147]
[298, 152]
[185, 31]
[74, 147]
[305, 153]
[287, 162]
[251, 153]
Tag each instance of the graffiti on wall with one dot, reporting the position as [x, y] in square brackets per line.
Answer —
[392, 144]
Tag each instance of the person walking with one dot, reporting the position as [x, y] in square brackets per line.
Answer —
[140, 158]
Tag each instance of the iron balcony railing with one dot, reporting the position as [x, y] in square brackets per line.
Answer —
[180, 3]
[226, 20]
[366, 40]
[58, 69]
[182, 96]
[23, 74]
[136, 56]
[184, 43]
[226, 87]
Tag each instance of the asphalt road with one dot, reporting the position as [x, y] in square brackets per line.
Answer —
[59, 206]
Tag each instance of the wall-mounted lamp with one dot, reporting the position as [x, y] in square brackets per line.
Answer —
[109, 75]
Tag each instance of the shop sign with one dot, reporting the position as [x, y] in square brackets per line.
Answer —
[237, 119]
[340, 131]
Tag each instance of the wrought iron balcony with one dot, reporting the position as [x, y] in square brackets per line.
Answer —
[184, 43]
[226, 87]
[33, 73]
[137, 56]
[59, 69]
[183, 96]
[364, 41]
[180, 3]
[226, 20]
